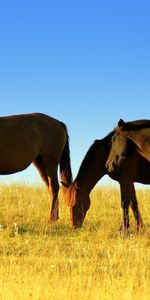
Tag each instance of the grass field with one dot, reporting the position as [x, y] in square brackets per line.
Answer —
[39, 261]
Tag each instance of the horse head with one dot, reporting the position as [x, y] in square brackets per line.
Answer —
[118, 151]
[79, 202]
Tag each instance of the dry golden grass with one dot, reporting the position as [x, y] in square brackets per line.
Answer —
[39, 261]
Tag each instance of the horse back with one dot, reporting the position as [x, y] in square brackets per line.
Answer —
[30, 135]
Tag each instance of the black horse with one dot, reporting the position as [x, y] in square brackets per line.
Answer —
[39, 139]
[93, 167]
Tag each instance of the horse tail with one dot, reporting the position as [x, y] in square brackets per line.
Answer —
[65, 164]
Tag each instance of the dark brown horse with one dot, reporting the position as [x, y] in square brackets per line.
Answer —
[39, 139]
[138, 132]
[93, 167]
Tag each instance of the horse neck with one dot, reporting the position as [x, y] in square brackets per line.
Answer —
[135, 136]
[138, 131]
[142, 140]
[93, 167]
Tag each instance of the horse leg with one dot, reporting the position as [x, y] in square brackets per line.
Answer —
[51, 181]
[125, 201]
[38, 163]
[53, 190]
[51, 166]
[136, 212]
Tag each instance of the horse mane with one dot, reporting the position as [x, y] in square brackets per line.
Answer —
[134, 125]
[86, 163]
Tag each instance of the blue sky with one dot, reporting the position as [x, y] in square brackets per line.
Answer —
[86, 63]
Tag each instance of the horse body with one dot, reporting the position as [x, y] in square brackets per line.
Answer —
[93, 167]
[39, 139]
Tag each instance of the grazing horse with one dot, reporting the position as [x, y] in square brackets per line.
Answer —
[39, 139]
[138, 132]
[93, 167]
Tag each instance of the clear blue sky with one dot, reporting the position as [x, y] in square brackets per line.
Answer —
[86, 63]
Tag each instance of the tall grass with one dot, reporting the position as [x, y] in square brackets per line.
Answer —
[41, 261]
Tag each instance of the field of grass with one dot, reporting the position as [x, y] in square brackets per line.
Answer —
[39, 261]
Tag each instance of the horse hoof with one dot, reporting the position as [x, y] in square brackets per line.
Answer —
[53, 219]
[124, 228]
[139, 226]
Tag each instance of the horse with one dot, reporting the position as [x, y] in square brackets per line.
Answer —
[136, 131]
[93, 167]
[39, 139]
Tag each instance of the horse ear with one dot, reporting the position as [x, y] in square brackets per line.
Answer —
[121, 123]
